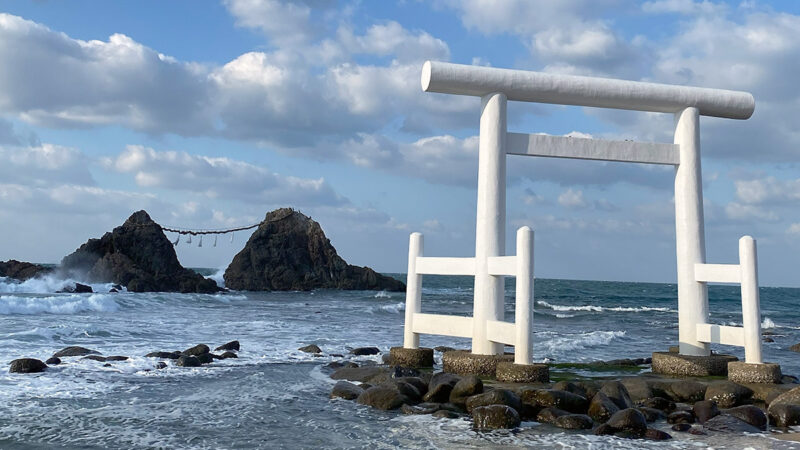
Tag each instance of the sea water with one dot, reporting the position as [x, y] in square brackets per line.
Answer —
[274, 396]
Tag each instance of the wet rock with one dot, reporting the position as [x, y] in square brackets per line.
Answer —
[198, 349]
[453, 407]
[750, 414]
[791, 397]
[428, 408]
[784, 415]
[546, 398]
[638, 389]
[574, 422]
[308, 349]
[346, 390]
[383, 397]
[728, 424]
[117, 358]
[618, 394]
[769, 339]
[651, 414]
[440, 387]
[549, 415]
[234, 346]
[27, 365]
[591, 388]
[289, 251]
[659, 403]
[364, 351]
[161, 365]
[137, 255]
[442, 349]
[728, 394]
[789, 379]
[407, 389]
[656, 435]
[368, 374]
[53, 361]
[571, 387]
[603, 430]
[227, 355]
[680, 417]
[330, 365]
[601, 408]
[188, 361]
[74, 351]
[466, 387]
[687, 391]
[704, 410]
[493, 417]
[682, 427]
[95, 358]
[629, 420]
[795, 348]
[494, 397]
[164, 355]
[22, 271]
[445, 414]
[205, 358]
[77, 288]
[401, 372]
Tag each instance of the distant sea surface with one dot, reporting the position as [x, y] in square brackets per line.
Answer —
[275, 396]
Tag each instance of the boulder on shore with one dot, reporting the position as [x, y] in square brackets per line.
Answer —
[137, 255]
[20, 270]
[289, 251]
[27, 365]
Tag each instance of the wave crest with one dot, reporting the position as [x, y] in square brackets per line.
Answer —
[57, 304]
[602, 308]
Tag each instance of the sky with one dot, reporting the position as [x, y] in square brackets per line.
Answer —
[210, 114]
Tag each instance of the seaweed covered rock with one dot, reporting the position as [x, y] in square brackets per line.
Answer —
[289, 251]
[137, 255]
[20, 270]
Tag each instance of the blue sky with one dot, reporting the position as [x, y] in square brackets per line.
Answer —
[209, 114]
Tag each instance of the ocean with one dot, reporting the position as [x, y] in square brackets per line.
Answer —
[274, 396]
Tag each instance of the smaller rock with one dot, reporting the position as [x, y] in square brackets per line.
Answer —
[569, 386]
[27, 365]
[603, 430]
[494, 397]
[601, 408]
[728, 394]
[750, 414]
[74, 351]
[112, 291]
[346, 390]
[429, 408]
[567, 401]
[116, 358]
[312, 348]
[651, 414]
[574, 422]
[446, 414]
[198, 349]
[687, 391]
[227, 355]
[365, 351]
[83, 289]
[629, 420]
[493, 417]
[680, 417]
[795, 348]
[233, 345]
[188, 361]
[769, 339]
[549, 415]
[618, 394]
[53, 361]
[728, 424]
[656, 435]
[400, 372]
[704, 410]
[784, 415]
[440, 387]
[789, 379]
[659, 403]
[95, 358]
[466, 387]
[161, 365]
[164, 355]
[683, 427]
[205, 358]
[382, 397]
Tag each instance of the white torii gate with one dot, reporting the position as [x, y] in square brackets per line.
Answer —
[489, 266]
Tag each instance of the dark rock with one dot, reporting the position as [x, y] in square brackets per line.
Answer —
[453, 407]
[164, 355]
[795, 348]
[161, 365]
[137, 255]
[680, 417]
[546, 398]
[784, 415]
[629, 420]
[330, 365]
[494, 397]
[418, 383]
[83, 289]
[789, 379]
[791, 397]
[424, 408]
[107, 365]
[442, 349]
[385, 397]
[117, 358]
[234, 345]
[204, 358]
[27, 365]
[750, 414]
[289, 251]
[591, 388]
[188, 361]
[659, 403]
[369, 374]
[408, 389]
[574, 422]
[402, 372]
[346, 390]
[313, 348]
[637, 388]
[603, 430]
[198, 349]
[601, 408]
[683, 427]
[440, 387]
[53, 361]
[728, 394]
[571, 387]
[728, 424]
[704, 410]
[656, 435]
[228, 355]
[549, 415]
[113, 291]
[22, 271]
[769, 339]
[651, 414]
[618, 394]
[687, 391]
[697, 431]
[95, 358]
[445, 414]
[493, 417]
[74, 351]
[466, 387]
[365, 351]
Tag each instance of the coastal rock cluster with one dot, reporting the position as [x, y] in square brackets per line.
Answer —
[22, 271]
[289, 251]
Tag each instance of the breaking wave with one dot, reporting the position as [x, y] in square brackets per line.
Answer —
[602, 308]
[57, 304]
[571, 342]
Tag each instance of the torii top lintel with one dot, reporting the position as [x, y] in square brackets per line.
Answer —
[527, 86]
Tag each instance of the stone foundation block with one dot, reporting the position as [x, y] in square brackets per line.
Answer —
[742, 372]
[675, 364]
[411, 357]
[462, 362]
[522, 373]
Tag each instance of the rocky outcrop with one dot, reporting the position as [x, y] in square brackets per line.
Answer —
[137, 255]
[289, 251]
[20, 270]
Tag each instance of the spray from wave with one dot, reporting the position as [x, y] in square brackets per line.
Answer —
[57, 304]
[602, 308]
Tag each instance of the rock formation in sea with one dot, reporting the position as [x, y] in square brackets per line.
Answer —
[289, 251]
[137, 255]
[22, 271]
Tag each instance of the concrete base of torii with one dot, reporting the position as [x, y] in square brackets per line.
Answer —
[669, 363]
[411, 357]
[742, 372]
[500, 367]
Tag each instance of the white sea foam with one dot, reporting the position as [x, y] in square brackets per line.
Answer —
[382, 294]
[218, 277]
[45, 285]
[564, 316]
[561, 343]
[394, 308]
[57, 304]
[767, 323]
[601, 308]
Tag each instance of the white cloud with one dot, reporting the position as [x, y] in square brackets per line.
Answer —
[745, 212]
[768, 190]
[284, 23]
[572, 199]
[686, 7]
[794, 229]
[44, 165]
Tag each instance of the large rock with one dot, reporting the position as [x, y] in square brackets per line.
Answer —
[705, 410]
[74, 351]
[618, 394]
[289, 251]
[383, 397]
[20, 270]
[440, 387]
[729, 424]
[629, 420]
[750, 414]
[466, 387]
[547, 398]
[493, 417]
[784, 415]
[601, 408]
[494, 397]
[728, 394]
[27, 365]
[137, 255]
[574, 422]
